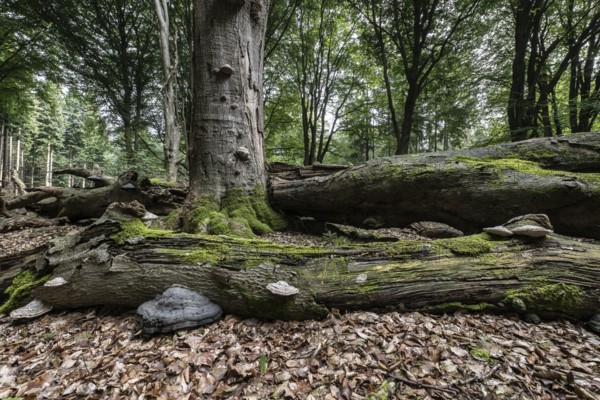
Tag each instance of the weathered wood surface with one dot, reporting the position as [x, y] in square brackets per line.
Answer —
[468, 190]
[407, 275]
[77, 204]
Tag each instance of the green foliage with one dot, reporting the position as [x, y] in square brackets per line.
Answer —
[263, 363]
[481, 353]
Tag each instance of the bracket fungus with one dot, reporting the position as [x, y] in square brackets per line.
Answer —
[56, 282]
[128, 186]
[224, 70]
[176, 308]
[531, 231]
[282, 288]
[32, 310]
[148, 216]
[530, 225]
[498, 231]
[242, 153]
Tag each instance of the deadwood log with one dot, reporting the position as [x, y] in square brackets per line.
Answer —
[121, 263]
[468, 190]
[78, 204]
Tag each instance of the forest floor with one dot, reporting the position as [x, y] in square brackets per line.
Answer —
[83, 354]
[97, 355]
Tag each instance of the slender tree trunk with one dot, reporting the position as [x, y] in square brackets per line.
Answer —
[410, 104]
[226, 146]
[2, 182]
[381, 51]
[5, 154]
[48, 180]
[18, 157]
[555, 115]
[169, 64]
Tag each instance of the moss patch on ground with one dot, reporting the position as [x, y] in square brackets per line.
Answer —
[547, 296]
[20, 287]
[239, 214]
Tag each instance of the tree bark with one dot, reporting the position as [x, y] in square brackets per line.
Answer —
[226, 143]
[169, 64]
[78, 204]
[407, 275]
[465, 189]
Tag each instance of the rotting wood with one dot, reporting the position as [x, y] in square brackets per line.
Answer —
[555, 276]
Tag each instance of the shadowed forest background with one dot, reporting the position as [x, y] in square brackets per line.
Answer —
[83, 83]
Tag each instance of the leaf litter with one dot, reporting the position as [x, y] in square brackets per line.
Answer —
[361, 355]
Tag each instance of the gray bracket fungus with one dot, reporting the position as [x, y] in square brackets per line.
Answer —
[282, 288]
[176, 308]
[55, 282]
[530, 225]
[32, 310]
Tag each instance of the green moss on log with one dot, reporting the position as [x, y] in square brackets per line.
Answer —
[161, 182]
[219, 253]
[548, 296]
[525, 167]
[20, 287]
[473, 245]
[239, 214]
[136, 228]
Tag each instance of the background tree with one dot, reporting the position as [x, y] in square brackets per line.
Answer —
[170, 61]
[106, 44]
[541, 55]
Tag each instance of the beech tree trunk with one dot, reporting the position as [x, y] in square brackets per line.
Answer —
[557, 276]
[225, 145]
[468, 190]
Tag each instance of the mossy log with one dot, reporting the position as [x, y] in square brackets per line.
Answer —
[78, 204]
[124, 263]
[468, 190]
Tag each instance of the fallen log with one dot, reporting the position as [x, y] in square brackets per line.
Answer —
[119, 261]
[78, 204]
[468, 190]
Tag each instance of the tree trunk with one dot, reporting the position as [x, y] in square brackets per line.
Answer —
[226, 144]
[172, 128]
[468, 189]
[554, 276]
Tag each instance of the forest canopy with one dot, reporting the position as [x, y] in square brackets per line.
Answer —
[86, 82]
